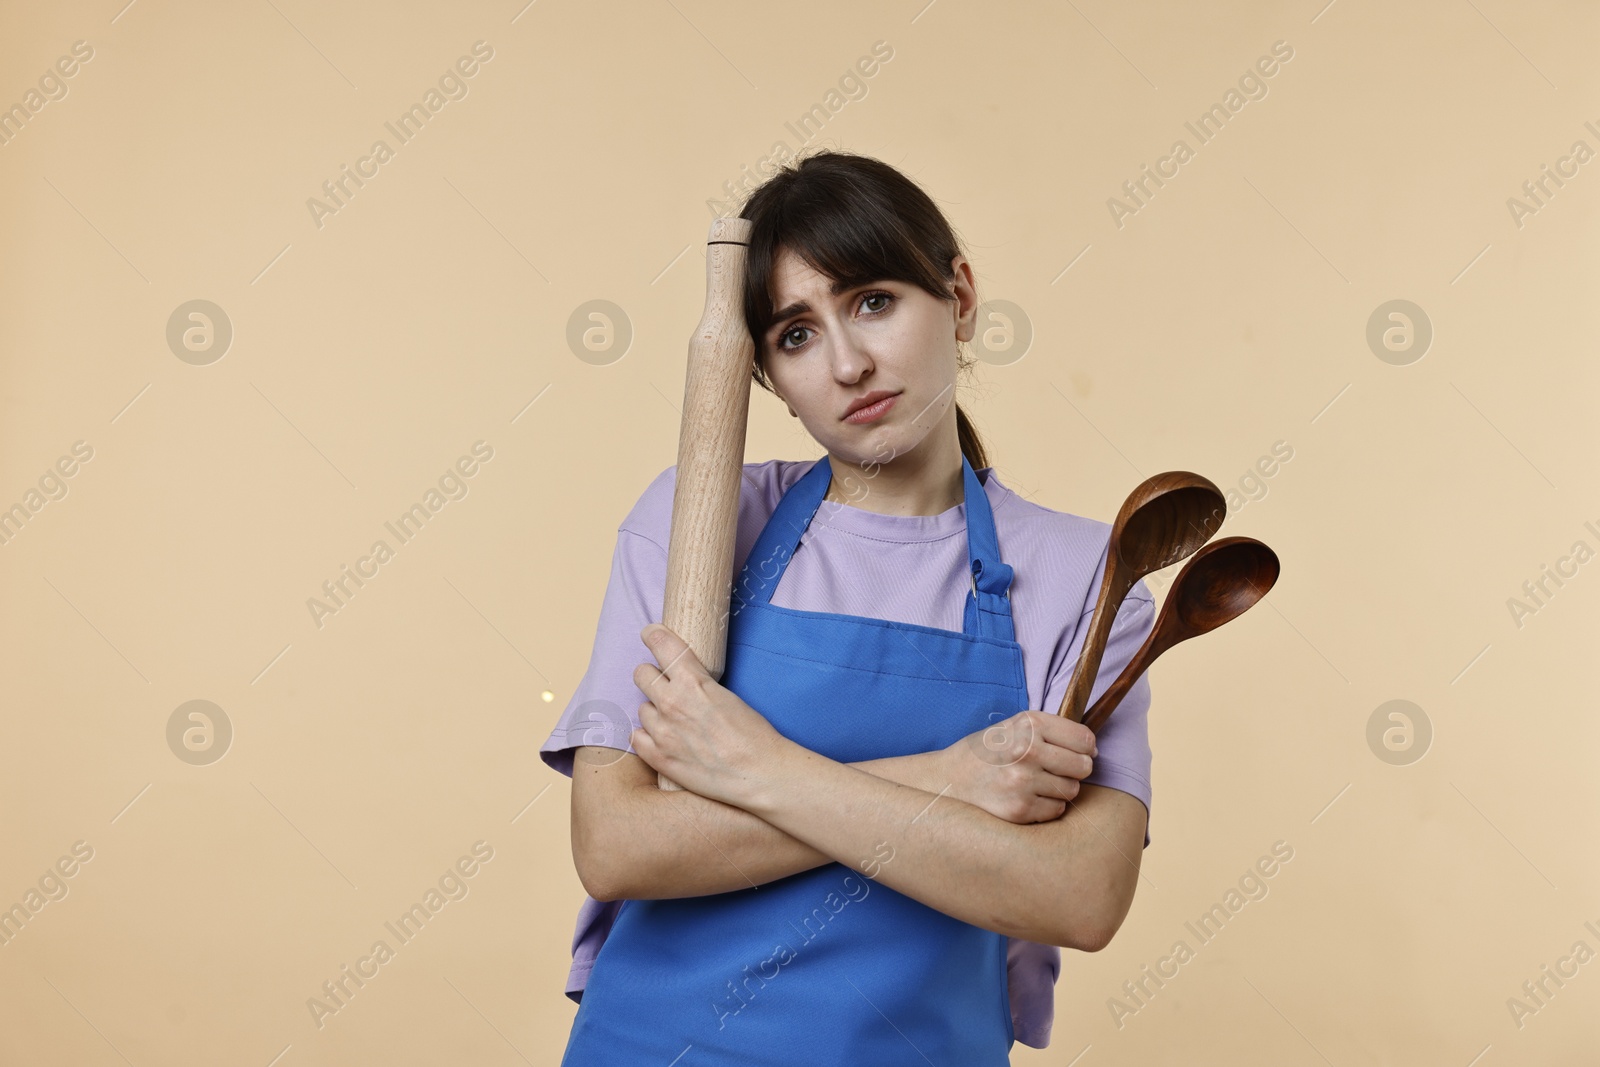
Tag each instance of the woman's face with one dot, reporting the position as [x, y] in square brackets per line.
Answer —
[827, 349]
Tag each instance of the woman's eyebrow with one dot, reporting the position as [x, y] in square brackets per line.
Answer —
[800, 307]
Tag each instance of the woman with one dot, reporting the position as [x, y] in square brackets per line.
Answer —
[878, 847]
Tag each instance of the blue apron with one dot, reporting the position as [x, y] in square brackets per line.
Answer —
[825, 966]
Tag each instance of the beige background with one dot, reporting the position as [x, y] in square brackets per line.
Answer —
[431, 312]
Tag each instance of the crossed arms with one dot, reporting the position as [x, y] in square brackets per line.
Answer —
[995, 830]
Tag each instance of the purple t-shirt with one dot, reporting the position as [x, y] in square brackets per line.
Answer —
[906, 568]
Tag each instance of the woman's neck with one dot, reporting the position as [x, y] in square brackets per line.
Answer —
[913, 484]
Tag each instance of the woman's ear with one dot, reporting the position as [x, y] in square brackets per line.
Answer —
[966, 294]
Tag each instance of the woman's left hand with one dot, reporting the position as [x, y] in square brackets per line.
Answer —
[694, 731]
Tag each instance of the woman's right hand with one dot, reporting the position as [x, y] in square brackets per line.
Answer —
[1024, 769]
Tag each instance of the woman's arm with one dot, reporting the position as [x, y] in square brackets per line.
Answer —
[1067, 882]
[633, 840]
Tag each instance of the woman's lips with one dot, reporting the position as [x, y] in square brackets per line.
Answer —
[873, 411]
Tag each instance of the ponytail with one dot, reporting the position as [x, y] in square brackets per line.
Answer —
[971, 443]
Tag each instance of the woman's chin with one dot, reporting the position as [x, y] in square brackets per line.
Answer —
[876, 449]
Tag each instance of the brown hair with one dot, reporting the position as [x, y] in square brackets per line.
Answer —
[856, 220]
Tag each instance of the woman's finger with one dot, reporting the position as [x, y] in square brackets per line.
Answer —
[1066, 791]
[1064, 762]
[647, 676]
[671, 651]
[1066, 733]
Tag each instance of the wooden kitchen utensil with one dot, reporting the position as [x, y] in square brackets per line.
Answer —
[1165, 519]
[705, 501]
[1223, 581]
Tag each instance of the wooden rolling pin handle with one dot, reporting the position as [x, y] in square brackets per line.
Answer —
[705, 501]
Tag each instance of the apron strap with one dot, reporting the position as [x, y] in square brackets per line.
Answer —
[769, 556]
[988, 607]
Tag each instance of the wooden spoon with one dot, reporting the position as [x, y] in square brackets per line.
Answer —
[1163, 520]
[1221, 582]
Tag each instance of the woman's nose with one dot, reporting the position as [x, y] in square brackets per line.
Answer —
[850, 359]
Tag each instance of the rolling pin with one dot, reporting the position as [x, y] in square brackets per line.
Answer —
[705, 501]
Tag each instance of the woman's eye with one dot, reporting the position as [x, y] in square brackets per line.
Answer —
[878, 295]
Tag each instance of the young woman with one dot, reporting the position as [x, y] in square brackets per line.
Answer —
[878, 847]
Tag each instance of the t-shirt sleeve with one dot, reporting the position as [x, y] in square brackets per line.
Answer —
[1124, 741]
[604, 709]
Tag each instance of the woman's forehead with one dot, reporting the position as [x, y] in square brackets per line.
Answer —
[795, 280]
